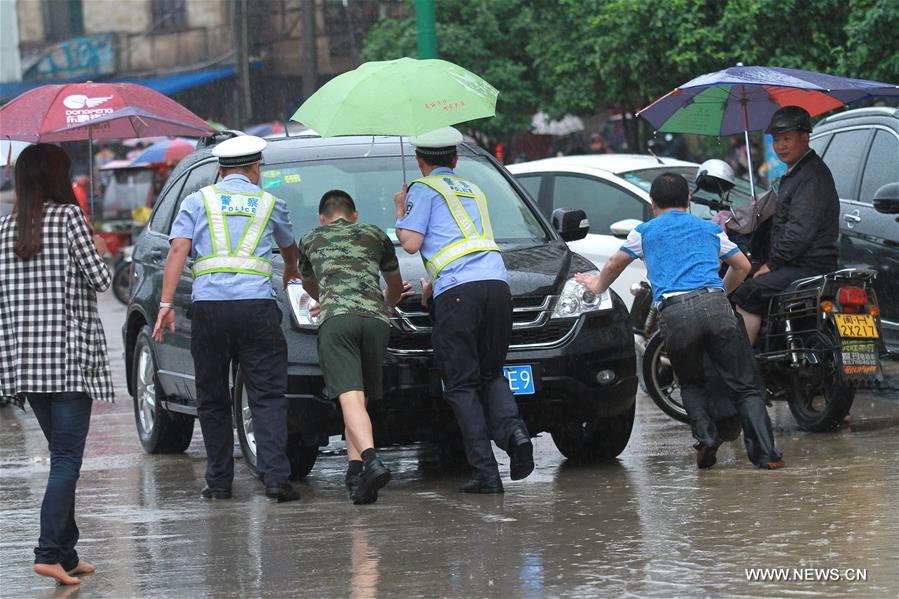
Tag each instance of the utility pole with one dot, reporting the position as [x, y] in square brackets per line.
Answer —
[244, 101]
[426, 20]
[310, 55]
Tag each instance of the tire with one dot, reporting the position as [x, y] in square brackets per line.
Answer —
[821, 399]
[302, 457]
[597, 439]
[159, 430]
[661, 382]
[121, 282]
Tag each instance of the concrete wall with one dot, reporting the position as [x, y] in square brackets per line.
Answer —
[122, 16]
[31, 20]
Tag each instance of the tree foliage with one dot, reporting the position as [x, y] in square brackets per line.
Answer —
[578, 56]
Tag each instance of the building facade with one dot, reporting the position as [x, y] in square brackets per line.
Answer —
[189, 49]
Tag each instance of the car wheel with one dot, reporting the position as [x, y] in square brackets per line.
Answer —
[595, 439]
[661, 382]
[160, 431]
[301, 456]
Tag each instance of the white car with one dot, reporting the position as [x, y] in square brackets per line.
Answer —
[613, 190]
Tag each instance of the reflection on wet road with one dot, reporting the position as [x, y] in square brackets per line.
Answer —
[649, 524]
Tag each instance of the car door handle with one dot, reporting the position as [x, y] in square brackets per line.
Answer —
[852, 218]
[155, 255]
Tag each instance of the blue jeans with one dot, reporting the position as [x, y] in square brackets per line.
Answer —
[65, 419]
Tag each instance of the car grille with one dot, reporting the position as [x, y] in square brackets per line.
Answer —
[531, 326]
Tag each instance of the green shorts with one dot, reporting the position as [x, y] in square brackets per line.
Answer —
[351, 352]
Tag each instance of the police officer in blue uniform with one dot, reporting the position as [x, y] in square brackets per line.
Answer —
[445, 217]
[230, 229]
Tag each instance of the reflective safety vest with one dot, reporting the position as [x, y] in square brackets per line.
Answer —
[256, 208]
[452, 189]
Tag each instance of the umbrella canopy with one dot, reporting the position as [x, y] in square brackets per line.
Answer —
[79, 111]
[541, 125]
[169, 151]
[402, 97]
[741, 99]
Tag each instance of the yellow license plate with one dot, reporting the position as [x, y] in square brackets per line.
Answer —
[857, 325]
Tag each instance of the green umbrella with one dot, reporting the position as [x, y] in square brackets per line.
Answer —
[402, 97]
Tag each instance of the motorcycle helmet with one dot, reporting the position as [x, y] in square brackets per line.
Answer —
[715, 176]
[790, 118]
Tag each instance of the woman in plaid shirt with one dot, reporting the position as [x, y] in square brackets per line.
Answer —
[52, 345]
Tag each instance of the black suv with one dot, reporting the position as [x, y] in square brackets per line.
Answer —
[861, 148]
[571, 362]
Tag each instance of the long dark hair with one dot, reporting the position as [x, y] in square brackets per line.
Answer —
[43, 174]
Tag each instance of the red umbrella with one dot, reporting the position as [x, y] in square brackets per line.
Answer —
[79, 111]
[169, 151]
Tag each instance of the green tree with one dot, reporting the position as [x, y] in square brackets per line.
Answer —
[872, 41]
[485, 36]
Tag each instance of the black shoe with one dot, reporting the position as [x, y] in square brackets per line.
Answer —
[489, 486]
[374, 476]
[706, 455]
[521, 452]
[352, 483]
[283, 492]
[212, 493]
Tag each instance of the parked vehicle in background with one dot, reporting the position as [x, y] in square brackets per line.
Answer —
[613, 191]
[861, 148]
[571, 362]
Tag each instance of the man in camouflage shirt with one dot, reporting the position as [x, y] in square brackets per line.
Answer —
[340, 262]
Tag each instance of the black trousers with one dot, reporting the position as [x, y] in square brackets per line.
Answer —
[472, 329]
[248, 331]
[706, 326]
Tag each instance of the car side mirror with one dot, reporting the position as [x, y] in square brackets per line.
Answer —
[886, 199]
[623, 228]
[571, 225]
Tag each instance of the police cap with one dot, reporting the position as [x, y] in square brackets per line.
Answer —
[437, 142]
[790, 118]
[242, 150]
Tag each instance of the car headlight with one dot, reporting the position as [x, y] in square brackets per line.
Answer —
[577, 299]
[302, 304]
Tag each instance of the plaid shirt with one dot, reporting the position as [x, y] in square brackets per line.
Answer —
[51, 338]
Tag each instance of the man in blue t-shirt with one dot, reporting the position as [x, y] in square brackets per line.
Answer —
[682, 254]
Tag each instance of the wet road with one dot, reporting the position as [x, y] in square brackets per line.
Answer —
[649, 525]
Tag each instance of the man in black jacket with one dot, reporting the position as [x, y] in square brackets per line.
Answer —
[805, 223]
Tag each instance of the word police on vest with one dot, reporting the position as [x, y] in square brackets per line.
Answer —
[240, 151]
[437, 142]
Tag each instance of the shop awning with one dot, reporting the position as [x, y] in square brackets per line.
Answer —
[165, 84]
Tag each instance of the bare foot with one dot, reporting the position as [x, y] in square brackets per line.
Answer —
[55, 571]
[83, 567]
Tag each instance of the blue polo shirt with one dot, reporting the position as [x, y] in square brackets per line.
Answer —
[191, 223]
[682, 252]
[428, 213]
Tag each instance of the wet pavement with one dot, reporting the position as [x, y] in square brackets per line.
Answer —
[648, 525]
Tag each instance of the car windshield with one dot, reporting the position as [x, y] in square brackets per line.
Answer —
[739, 195]
[372, 182]
[127, 190]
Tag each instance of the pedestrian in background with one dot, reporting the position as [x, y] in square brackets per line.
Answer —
[231, 228]
[52, 344]
[682, 254]
[445, 217]
[339, 264]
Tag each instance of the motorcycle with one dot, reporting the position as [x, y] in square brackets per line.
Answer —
[820, 341]
[121, 277]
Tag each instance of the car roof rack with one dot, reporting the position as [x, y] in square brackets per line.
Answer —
[218, 137]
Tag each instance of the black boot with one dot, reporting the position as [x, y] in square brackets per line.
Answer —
[484, 486]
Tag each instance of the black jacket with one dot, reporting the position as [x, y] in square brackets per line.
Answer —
[806, 223]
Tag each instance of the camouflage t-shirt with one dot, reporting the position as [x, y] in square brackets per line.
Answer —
[346, 258]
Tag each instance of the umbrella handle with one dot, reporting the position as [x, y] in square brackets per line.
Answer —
[403, 159]
[748, 149]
